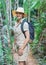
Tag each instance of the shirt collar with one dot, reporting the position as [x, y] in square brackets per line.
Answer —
[22, 20]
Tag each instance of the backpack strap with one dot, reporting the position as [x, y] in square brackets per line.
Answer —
[25, 20]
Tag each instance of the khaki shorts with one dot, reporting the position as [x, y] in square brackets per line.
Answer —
[25, 54]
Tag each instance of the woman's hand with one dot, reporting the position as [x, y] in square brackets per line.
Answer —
[20, 51]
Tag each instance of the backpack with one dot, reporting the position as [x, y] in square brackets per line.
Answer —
[31, 29]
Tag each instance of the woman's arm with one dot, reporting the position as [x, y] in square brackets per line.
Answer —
[26, 39]
[20, 52]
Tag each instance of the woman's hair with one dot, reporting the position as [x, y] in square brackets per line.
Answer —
[23, 16]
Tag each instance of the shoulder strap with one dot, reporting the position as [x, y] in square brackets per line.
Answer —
[22, 26]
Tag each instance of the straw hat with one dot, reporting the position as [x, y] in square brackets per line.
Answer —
[19, 10]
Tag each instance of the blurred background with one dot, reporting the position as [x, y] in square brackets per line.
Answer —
[36, 11]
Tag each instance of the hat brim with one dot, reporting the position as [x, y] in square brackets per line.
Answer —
[15, 12]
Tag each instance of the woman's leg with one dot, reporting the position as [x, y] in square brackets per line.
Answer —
[22, 63]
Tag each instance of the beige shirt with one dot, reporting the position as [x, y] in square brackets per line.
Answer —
[19, 36]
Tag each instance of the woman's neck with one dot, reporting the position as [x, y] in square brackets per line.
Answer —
[19, 21]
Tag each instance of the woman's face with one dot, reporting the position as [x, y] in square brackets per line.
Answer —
[19, 15]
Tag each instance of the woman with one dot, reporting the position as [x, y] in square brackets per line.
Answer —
[21, 42]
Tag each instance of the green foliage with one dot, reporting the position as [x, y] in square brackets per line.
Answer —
[37, 9]
[39, 21]
[1, 54]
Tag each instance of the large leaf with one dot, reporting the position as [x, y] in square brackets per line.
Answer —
[32, 4]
